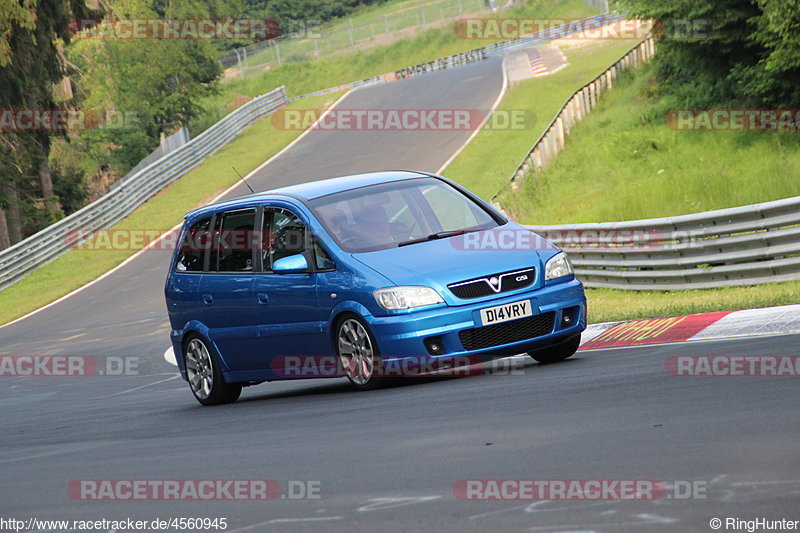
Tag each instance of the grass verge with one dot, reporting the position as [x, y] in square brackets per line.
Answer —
[303, 77]
[486, 164]
[80, 266]
[623, 163]
[607, 305]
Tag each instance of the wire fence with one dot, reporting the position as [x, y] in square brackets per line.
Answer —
[356, 33]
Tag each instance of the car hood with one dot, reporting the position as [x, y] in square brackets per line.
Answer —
[441, 262]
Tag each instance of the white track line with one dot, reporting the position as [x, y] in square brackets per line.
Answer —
[483, 122]
[159, 239]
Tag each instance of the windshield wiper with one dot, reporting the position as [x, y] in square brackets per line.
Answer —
[435, 236]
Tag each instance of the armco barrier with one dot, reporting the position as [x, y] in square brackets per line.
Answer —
[46, 245]
[748, 245]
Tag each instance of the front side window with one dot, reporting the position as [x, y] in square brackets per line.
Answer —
[233, 242]
[196, 240]
[388, 215]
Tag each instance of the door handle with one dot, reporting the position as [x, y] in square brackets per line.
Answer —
[208, 299]
[263, 298]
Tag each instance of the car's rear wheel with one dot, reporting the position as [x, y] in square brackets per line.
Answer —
[358, 353]
[205, 377]
[557, 353]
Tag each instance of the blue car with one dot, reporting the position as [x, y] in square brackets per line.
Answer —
[357, 275]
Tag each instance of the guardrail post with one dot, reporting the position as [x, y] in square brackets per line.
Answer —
[568, 117]
[545, 156]
[553, 142]
[560, 130]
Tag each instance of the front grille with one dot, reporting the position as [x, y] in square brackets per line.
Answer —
[507, 332]
[507, 281]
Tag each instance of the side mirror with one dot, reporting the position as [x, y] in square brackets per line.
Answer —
[290, 265]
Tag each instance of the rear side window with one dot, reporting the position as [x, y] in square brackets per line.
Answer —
[234, 242]
[196, 241]
[284, 235]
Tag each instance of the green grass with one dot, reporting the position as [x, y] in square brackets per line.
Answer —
[486, 164]
[78, 267]
[606, 305]
[308, 76]
[368, 26]
[624, 163]
[612, 168]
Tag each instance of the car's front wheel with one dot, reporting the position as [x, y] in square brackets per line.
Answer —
[559, 352]
[205, 377]
[358, 353]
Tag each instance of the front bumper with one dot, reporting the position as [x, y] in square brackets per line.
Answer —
[403, 336]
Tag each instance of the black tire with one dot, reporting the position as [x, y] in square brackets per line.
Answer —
[558, 353]
[205, 378]
[361, 366]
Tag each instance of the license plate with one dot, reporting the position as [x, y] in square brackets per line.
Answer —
[504, 313]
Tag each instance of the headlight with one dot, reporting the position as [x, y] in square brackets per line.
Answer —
[557, 267]
[394, 298]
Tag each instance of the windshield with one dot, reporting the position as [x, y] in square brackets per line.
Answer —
[387, 215]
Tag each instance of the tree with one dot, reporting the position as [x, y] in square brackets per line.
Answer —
[31, 32]
[726, 52]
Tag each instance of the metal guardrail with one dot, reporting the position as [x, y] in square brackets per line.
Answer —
[578, 105]
[748, 245]
[53, 241]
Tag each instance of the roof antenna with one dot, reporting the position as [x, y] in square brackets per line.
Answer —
[243, 180]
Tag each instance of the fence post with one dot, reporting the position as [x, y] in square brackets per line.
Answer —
[568, 117]
[553, 144]
[545, 156]
[560, 130]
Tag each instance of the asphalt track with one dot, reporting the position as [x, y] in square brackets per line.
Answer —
[388, 460]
